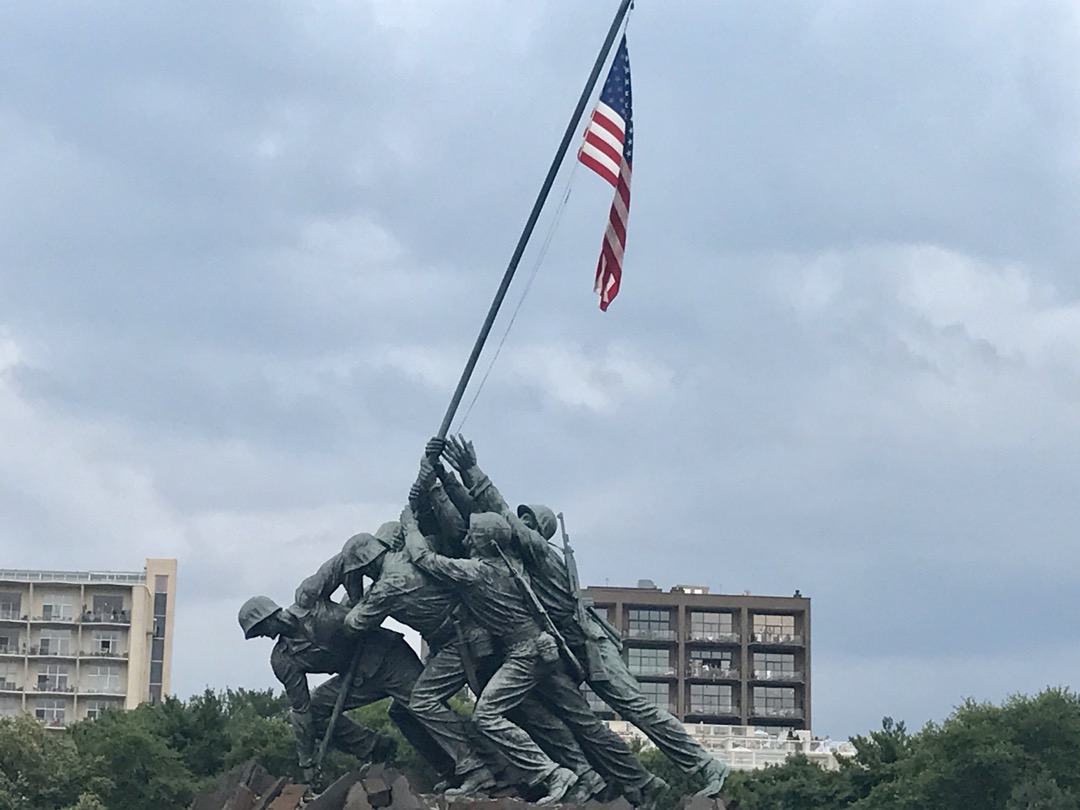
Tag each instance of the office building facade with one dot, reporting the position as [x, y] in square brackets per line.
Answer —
[76, 643]
[714, 658]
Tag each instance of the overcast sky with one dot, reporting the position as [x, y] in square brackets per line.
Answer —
[246, 247]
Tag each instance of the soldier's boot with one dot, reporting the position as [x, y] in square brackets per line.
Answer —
[714, 772]
[648, 794]
[589, 784]
[477, 782]
[558, 784]
[384, 749]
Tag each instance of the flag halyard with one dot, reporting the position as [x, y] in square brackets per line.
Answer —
[608, 150]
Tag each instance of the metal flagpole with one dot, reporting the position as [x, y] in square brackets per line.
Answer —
[530, 223]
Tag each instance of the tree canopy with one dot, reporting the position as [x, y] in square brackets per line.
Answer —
[1019, 755]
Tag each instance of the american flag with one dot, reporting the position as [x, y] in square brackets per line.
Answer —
[608, 150]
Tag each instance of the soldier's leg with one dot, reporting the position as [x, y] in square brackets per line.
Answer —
[622, 692]
[396, 678]
[557, 741]
[508, 687]
[349, 736]
[604, 748]
[549, 732]
[443, 677]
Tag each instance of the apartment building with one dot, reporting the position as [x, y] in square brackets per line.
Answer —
[714, 658]
[75, 643]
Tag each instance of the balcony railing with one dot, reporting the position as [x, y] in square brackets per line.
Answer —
[714, 637]
[47, 650]
[53, 686]
[653, 672]
[91, 689]
[776, 638]
[710, 673]
[651, 634]
[713, 708]
[10, 686]
[54, 619]
[12, 649]
[777, 711]
[104, 654]
[778, 675]
[8, 615]
[111, 617]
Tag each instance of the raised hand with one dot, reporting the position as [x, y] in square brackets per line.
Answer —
[434, 448]
[459, 453]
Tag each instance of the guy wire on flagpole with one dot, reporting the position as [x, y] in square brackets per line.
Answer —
[530, 223]
[540, 256]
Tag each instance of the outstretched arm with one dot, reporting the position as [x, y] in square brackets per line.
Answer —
[449, 569]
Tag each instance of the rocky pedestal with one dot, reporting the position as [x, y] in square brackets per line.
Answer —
[251, 787]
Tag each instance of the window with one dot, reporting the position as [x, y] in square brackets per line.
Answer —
[54, 642]
[96, 708]
[658, 693]
[775, 701]
[710, 698]
[105, 642]
[56, 606]
[774, 665]
[103, 678]
[718, 664]
[770, 628]
[52, 678]
[644, 661]
[10, 605]
[10, 706]
[108, 608]
[9, 641]
[649, 623]
[712, 627]
[50, 711]
[161, 583]
[10, 674]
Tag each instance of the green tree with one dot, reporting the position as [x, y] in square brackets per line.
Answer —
[41, 769]
[145, 773]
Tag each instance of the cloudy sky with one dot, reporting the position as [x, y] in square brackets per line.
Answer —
[246, 248]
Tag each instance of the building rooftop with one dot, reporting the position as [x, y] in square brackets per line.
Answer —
[18, 575]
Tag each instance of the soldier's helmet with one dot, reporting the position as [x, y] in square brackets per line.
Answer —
[359, 550]
[489, 532]
[543, 515]
[391, 535]
[255, 610]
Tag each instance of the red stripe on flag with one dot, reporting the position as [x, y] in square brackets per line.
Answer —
[600, 168]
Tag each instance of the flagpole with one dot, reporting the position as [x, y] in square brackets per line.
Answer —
[534, 215]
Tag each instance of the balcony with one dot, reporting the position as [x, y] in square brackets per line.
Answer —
[53, 619]
[713, 709]
[650, 634]
[708, 637]
[112, 654]
[98, 689]
[54, 687]
[115, 617]
[13, 649]
[48, 651]
[704, 672]
[789, 639]
[9, 686]
[7, 615]
[778, 675]
[782, 712]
